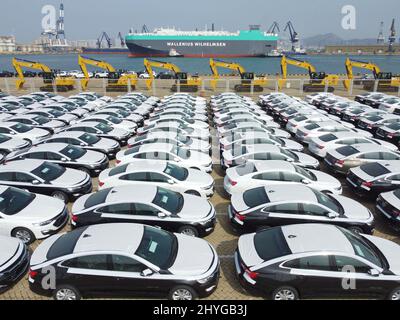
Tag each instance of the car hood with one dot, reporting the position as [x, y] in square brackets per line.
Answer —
[305, 159]
[35, 210]
[118, 132]
[198, 178]
[9, 247]
[105, 143]
[195, 208]
[71, 177]
[248, 251]
[326, 179]
[37, 132]
[390, 250]
[353, 209]
[194, 257]
[292, 145]
[14, 143]
[91, 157]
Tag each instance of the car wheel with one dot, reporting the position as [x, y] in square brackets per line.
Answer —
[23, 234]
[193, 192]
[395, 294]
[182, 293]
[356, 230]
[60, 195]
[285, 293]
[65, 292]
[189, 231]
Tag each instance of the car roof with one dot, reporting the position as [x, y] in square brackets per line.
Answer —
[9, 124]
[69, 134]
[85, 124]
[393, 167]
[26, 165]
[366, 147]
[124, 237]
[48, 146]
[262, 148]
[284, 192]
[345, 134]
[144, 165]
[156, 147]
[302, 238]
[132, 193]
[274, 165]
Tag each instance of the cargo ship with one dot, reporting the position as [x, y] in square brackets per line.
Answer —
[87, 50]
[202, 44]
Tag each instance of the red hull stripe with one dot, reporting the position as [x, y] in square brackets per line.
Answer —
[143, 55]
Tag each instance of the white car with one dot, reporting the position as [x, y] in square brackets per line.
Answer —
[159, 173]
[22, 215]
[111, 121]
[187, 121]
[268, 173]
[169, 152]
[23, 131]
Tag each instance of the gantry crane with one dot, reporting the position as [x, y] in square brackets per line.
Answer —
[117, 80]
[248, 79]
[185, 82]
[318, 80]
[386, 81]
[50, 80]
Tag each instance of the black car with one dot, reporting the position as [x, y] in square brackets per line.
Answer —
[317, 261]
[390, 133]
[388, 206]
[125, 259]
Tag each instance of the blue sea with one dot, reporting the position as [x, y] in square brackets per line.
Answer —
[327, 63]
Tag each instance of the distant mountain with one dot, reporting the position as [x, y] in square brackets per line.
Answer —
[333, 39]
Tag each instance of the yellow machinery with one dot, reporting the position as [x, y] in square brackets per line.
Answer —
[117, 81]
[318, 80]
[186, 83]
[248, 79]
[387, 82]
[49, 76]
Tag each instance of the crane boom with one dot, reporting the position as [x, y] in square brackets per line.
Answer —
[150, 64]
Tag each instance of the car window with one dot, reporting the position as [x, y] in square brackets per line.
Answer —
[158, 177]
[275, 176]
[94, 262]
[145, 210]
[6, 176]
[347, 141]
[23, 177]
[291, 177]
[290, 208]
[53, 156]
[126, 264]
[370, 155]
[314, 210]
[350, 264]
[138, 176]
[119, 208]
[310, 263]
[36, 155]
[277, 156]
[388, 156]
[395, 177]
[4, 130]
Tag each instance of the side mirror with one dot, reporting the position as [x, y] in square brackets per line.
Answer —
[289, 159]
[64, 159]
[170, 181]
[161, 215]
[373, 272]
[305, 181]
[146, 273]
[177, 159]
[35, 182]
[331, 215]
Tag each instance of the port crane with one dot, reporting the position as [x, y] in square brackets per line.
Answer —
[318, 80]
[104, 36]
[117, 80]
[274, 28]
[186, 83]
[387, 82]
[61, 84]
[248, 79]
[294, 36]
[392, 37]
[121, 38]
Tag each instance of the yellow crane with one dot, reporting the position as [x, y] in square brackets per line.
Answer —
[387, 82]
[318, 80]
[248, 79]
[49, 76]
[186, 83]
[117, 81]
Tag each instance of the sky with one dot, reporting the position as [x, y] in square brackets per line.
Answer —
[86, 19]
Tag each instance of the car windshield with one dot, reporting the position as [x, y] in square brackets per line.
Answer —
[103, 127]
[347, 150]
[364, 248]
[96, 198]
[21, 128]
[290, 154]
[182, 153]
[13, 200]
[374, 118]
[327, 137]
[73, 152]
[48, 171]
[305, 173]
[89, 138]
[271, 243]
[56, 113]
[41, 120]
[158, 247]
[176, 172]
[311, 126]
[183, 139]
[394, 126]
[4, 138]
[169, 200]
[114, 120]
[328, 201]
[374, 169]
[299, 118]
[255, 197]
[132, 150]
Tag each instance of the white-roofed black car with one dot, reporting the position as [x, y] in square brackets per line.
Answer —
[69, 156]
[125, 259]
[151, 205]
[47, 178]
[316, 260]
[388, 206]
[277, 205]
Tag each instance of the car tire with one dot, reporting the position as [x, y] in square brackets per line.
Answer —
[66, 292]
[193, 192]
[23, 234]
[189, 231]
[60, 195]
[182, 293]
[394, 294]
[285, 293]
[356, 230]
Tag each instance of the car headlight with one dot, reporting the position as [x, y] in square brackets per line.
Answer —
[205, 280]
[44, 223]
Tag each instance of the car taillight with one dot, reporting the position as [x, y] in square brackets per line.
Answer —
[320, 147]
[367, 184]
[252, 275]
[305, 134]
[118, 161]
[396, 213]
[240, 217]
[390, 135]
[233, 183]
[74, 218]
[339, 162]
[130, 146]
[32, 273]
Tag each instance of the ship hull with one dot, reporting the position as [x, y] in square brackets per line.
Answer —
[105, 51]
[200, 49]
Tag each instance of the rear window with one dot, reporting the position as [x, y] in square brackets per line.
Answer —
[300, 118]
[327, 137]
[394, 126]
[65, 244]
[374, 169]
[255, 197]
[311, 126]
[374, 118]
[246, 169]
[97, 198]
[118, 170]
[347, 150]
[271, 244]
